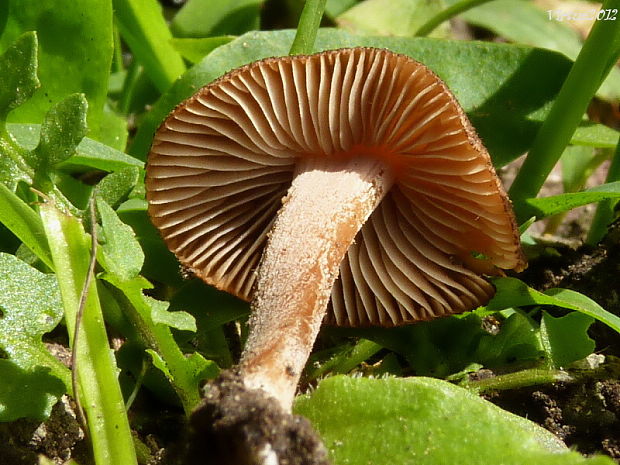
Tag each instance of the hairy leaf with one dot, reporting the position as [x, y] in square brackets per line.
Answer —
[425, 421]
[30, 306]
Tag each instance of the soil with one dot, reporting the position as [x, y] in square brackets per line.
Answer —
[586, 416]
[237, 426]
[59, 438]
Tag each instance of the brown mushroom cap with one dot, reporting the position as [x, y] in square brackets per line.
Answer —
[223, 160]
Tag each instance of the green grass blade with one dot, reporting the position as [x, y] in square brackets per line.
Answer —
[309, 23]
[144, 28]
[605, 209]
[24, 222]
[548, 206]
[446, 14]
[594, 62]
[97, 373]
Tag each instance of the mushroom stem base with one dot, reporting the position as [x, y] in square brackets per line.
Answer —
[326, 206]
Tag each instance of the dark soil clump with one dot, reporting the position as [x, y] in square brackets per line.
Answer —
[585, 415]
[237, 426]
[59, 438]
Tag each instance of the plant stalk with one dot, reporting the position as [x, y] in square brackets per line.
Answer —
[596, 58]
[309, 23]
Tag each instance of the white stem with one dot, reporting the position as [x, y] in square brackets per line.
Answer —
[326, 205]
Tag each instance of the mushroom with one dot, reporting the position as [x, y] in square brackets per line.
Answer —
[348, 183]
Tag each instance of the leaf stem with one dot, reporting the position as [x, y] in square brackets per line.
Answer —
[450, 12]
[595, 60]
[519, 379]
[346, 359]
[97, 373]
[605, 209]
[309, 23]
[80, 312]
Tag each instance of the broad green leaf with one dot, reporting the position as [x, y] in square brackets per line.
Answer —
[574, 300]
[75, 52]
[25, 223]
[523, 22]
[565, 339]
[144, 28]
[595, 135]
[30, 306]
[425, 421]
[121, 252]
[547, 206]
[518, 340]
[18, 68]
[18, 65]
[501, 87]
[512, 292]
[115, 186]
[88, 153]
[62, 130]
[205, 18]
[390, 17]
[113, 129]
[195, 50]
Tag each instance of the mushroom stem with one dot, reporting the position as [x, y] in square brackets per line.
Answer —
[328, 202]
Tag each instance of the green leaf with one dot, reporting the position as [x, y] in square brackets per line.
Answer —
[25, 223]
[518, 340]
[205, 18]
[390, 17]
[18, 68]
[62, 130]
[524, 22]
[505, 89]
[185, 373]
[30, 306]
[595, 135]
[144, 28]
[121, 252]
[432, 348]
[159, 363]
[160, 264]
[178, 320]
[512, 292]
[96, 369]
[566, 339]
[344, 359]
[425, 421]
[195, 50]
[115, 187]
[75, 53]
[89, 152]
[547, 206]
